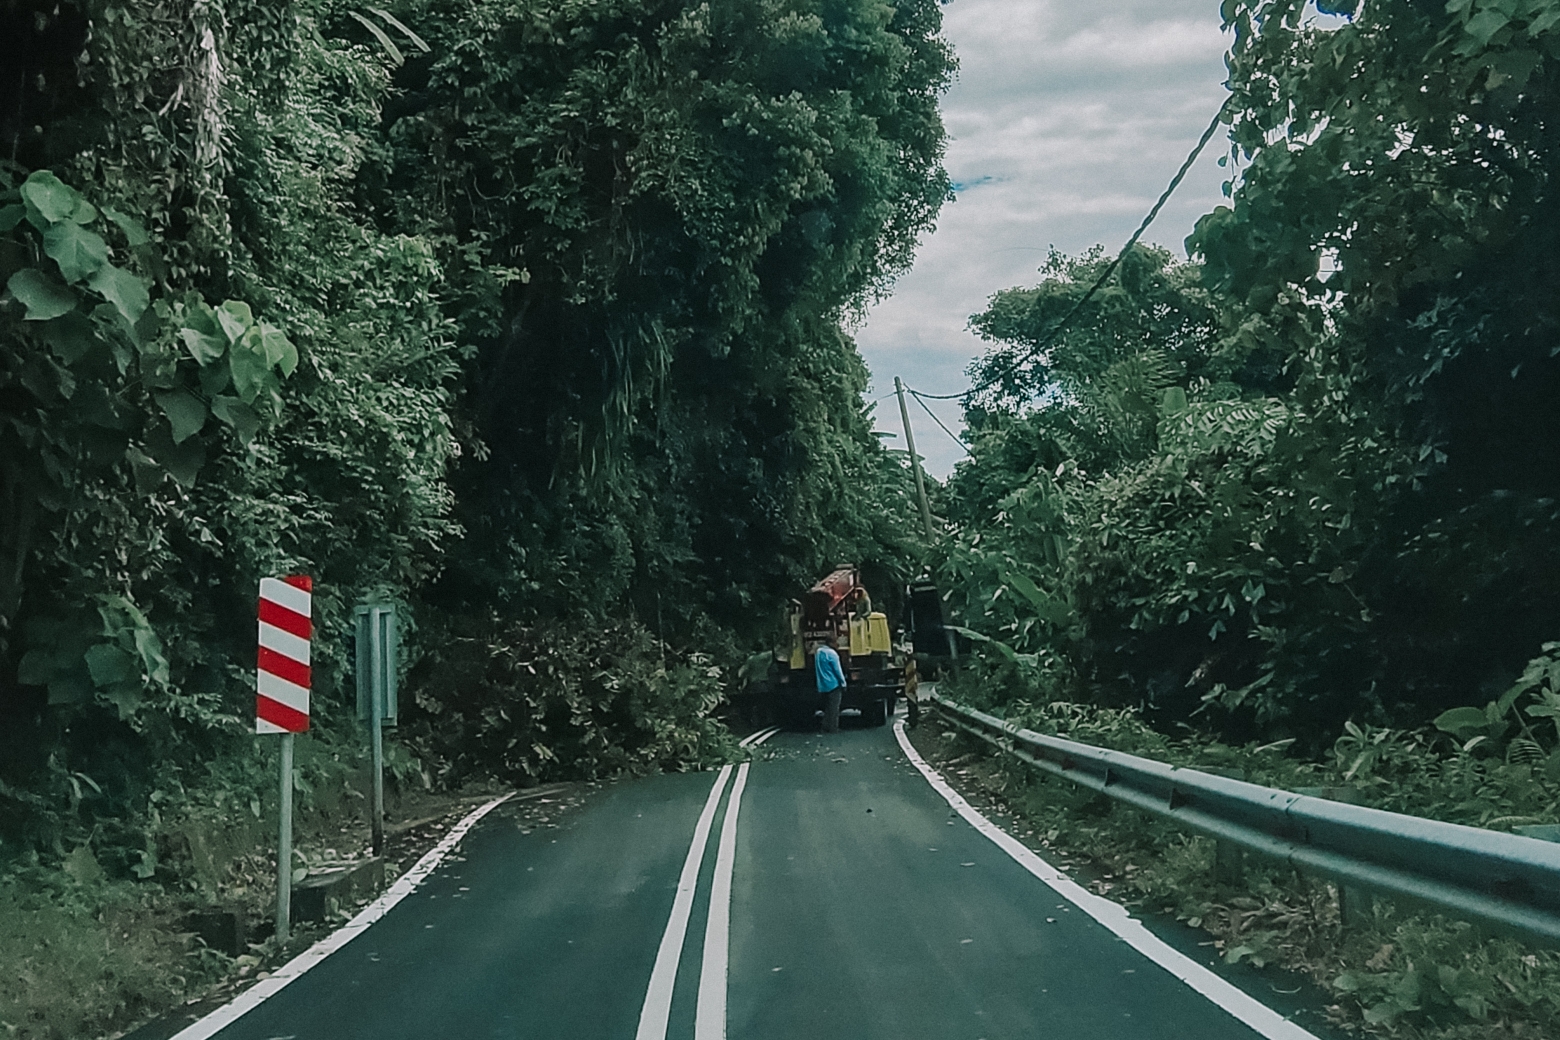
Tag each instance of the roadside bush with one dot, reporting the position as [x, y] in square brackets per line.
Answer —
[559, 700]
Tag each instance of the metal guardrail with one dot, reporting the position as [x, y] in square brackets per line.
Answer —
[1503, 881]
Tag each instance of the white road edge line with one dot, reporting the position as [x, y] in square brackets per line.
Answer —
[658, 996]
[710, 1019]
[253, 997]
[1261, 1018]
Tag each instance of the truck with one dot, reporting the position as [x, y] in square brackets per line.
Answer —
[874, 669]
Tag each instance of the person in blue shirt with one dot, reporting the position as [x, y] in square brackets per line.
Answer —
[830, 679]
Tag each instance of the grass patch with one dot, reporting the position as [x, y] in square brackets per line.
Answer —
[83, 958]
[84, 953]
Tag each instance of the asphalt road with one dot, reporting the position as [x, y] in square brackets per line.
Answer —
[847, 899]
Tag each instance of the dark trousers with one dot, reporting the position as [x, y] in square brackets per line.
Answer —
[831, 710]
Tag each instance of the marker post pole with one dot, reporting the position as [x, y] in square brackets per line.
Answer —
[284, 844]
[282, 684]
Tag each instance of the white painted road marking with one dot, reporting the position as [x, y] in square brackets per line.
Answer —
[1231, 998]
[710, 1013]
[658, 996]
[253, 997]
[752, 740]
[710, 1020]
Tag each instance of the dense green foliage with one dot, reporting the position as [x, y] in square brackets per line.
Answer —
[1308, 476]
[652, 217]
[525, 317]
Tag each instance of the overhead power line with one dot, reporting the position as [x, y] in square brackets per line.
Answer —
[956, 438]
[1056, 330]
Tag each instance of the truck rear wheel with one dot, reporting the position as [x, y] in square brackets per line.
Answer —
[877, 712]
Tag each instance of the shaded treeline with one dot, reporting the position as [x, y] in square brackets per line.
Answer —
[525, 316]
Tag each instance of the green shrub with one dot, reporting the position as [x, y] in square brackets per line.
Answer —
[560, 700]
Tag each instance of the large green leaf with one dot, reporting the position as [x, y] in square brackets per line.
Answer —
[79, 252]
[235, 318]
[148, 474]
[50, 197]
[71, 336]
[68, 689]
[1046, 607]
[214, 379]
[43, 297]
[1484, 25]
[108, 664]
[244, 419]
[417, 41]
[135, 234]
[251, 371]
[384, 41]
[93, 403]
[1462, 723]
[278, 349]
[1021, 583]
[186, 413]
[182, 460]
[126, 291]
[127, 698]
[980, 637]
[36, 668]
[203, 347]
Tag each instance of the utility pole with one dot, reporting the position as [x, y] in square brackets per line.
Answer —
[920, 492]
[915, 460]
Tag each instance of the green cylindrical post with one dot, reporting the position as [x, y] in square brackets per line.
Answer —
[375, 722]
[284, 844]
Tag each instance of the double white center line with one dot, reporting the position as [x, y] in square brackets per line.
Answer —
[710, 1016]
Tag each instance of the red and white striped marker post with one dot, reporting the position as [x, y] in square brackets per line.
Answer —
[282, 682]
[282, 701]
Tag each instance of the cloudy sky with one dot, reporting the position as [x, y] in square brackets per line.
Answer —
[1067, 120]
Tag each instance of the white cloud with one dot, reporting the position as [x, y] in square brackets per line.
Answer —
[1067, 120]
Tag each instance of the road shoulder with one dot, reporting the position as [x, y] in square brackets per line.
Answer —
[981, 782]
[424, 825]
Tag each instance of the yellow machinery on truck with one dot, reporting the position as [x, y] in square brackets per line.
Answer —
[874, 674]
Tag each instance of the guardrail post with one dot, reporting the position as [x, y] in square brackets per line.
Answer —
[1229, 859]
[1229, 863]
[1355, 905]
